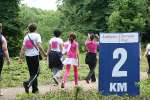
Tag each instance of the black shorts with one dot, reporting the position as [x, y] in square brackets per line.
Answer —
[55, 59]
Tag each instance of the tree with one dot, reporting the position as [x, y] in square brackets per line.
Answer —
[127, 15]
[84, 15]
[11, 26]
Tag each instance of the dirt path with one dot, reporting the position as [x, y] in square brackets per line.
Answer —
[10, 93]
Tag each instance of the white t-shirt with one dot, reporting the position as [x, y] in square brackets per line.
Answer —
[55, 43]
[148, 49]
[36, 38]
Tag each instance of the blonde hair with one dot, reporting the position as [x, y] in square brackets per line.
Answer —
[0, 27]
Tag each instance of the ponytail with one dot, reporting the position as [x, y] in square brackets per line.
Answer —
[72, 37]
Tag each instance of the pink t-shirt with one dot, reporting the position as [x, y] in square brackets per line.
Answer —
[72, 53]
[91, 46]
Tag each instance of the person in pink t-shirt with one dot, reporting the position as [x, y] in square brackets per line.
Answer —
[72, 59]
[91, 47]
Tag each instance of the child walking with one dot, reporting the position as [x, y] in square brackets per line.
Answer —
[72, 59]
[54, 55]
[91, 47]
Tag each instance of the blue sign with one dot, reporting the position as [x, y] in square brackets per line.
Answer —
[119, 71]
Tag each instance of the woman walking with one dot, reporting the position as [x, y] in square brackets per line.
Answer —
[91, 47]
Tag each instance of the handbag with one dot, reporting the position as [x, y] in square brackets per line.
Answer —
[40, 56]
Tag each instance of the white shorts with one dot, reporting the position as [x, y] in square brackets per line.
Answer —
[71, 61]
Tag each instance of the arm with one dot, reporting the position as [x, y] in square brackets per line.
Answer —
[21, 54]
[5, 49]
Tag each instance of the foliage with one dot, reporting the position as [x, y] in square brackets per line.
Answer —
[106, 15]
[11, 24]
[46, 21]
[127, 15]
[84, 15]
[114, 22]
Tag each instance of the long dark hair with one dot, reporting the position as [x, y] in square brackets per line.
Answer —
[72, 37]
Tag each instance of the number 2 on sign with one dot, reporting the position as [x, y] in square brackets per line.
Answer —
[116, 72]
